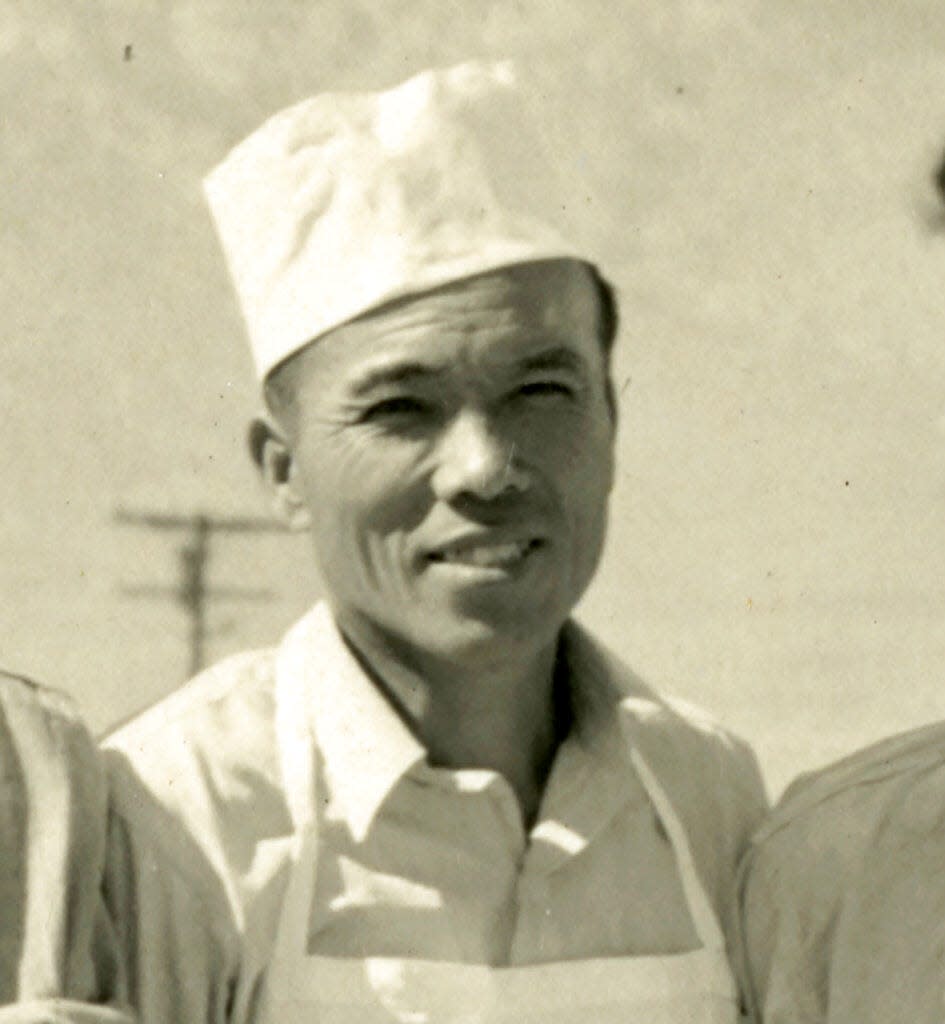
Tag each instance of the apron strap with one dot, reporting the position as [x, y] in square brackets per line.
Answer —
[700, 906]
[297, 754]
[293, 723]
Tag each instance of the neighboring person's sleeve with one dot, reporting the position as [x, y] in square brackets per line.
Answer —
[58, 960]
[843, 899]
[787, 913]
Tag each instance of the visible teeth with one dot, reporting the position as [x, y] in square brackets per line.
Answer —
[487, 555]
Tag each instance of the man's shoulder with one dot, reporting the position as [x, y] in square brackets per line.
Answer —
[216, 704]
[710, 772]
[713, 770]
[841, 807]
[203, 765]
[704, 733]
[686, 734]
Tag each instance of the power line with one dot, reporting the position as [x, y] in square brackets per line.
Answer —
[192, 591]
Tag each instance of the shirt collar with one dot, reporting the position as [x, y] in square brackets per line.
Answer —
[591, 778]
[366, 748]
[594, 692]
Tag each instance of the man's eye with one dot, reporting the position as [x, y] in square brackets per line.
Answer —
[546, 388]
[396, 407]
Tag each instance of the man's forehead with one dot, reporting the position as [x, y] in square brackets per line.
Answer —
[518, 315]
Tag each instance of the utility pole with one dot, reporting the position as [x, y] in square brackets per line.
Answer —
[192, 591]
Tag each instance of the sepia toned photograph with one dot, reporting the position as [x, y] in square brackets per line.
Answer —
[472, 537]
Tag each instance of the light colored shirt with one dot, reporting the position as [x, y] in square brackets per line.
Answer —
[413, 860]
[843, 898]
[57, 961]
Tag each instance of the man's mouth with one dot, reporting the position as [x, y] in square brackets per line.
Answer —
[484, 555]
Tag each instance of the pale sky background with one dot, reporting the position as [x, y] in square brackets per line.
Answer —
[763, 171]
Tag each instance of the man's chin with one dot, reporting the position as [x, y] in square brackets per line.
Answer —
[463, 634]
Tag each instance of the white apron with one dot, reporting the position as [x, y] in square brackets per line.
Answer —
[681, 988]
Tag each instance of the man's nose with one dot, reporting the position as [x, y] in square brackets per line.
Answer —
[474, 460]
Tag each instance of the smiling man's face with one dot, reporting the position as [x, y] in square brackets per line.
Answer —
[454, 452]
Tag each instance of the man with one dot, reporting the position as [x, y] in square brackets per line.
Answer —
[57, 962]
[843, 901]
[439, 798]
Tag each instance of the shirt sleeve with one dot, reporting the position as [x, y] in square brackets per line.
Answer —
[199, 846]
[58, 960]
[176, 932]
[741, 815]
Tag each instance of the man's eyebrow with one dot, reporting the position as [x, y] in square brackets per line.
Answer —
[386, 374]
[558, 358]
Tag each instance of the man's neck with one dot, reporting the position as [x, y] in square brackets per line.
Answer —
[499, 714]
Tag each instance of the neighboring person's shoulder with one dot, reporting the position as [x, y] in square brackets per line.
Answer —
[35, 713]
[56, 954]
[846, 874]
[835, 812]
[48, 759]
[44, 743]
[18, 691]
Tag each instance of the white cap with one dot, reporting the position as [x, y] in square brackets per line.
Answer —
[348, 200]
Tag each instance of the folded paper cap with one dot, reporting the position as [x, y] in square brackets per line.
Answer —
[347, 201]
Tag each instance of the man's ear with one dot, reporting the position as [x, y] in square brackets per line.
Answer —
[613, 405]
[277, 467]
